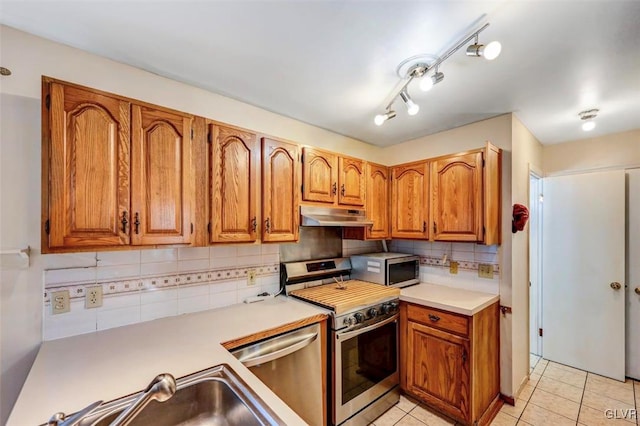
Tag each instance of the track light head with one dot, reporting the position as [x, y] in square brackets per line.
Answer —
[489, 52]
[412, 107]
[427, 83]
[381, 118]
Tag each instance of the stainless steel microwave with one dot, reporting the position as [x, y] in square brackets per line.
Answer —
[392, 269]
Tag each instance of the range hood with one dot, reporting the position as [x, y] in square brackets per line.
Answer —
[326, 216]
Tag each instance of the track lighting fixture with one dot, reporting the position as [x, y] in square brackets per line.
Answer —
[489, 52]
[587, 116]
[381, 118]
[412, 107]
[418, 67]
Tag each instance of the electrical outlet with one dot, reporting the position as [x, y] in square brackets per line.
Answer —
[453, 267]
[485, 270]
[60, 302]
[93, 297]
[251, 277]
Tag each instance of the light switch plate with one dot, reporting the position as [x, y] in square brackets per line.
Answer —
[485, 270]
[453, 267]
[251, 277]
[60, 302]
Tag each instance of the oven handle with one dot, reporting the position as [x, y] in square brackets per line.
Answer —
[349, 334]
[300, 343]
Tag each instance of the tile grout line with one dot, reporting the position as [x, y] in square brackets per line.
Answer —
[534, 389]
[584, 389]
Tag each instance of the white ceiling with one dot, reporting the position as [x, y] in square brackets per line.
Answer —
[333, 63]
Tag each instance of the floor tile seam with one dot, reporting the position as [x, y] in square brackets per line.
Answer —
[540, 406]
[535, 386]
[613, 397]
[608, 397]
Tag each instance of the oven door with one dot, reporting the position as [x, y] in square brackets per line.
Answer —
[366, 366]
[403, 271]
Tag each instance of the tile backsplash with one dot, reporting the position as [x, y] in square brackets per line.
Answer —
[142, 285]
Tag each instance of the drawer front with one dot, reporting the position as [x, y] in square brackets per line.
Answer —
[448, 321]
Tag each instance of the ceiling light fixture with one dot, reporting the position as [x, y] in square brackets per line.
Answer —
[587, 116]
[412, 107]
[417, 67]
[381, 118]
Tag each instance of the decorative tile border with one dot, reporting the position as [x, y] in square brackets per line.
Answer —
[110, 287]
[462, 264]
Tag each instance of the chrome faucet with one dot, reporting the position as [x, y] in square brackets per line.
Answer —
[58, 419]
[161, 388]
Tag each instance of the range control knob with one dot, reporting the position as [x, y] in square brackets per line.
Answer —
[386, 308]
[372, 313]
[393, 306]
[358, 317]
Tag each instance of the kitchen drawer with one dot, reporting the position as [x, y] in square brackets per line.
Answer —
[454, 323]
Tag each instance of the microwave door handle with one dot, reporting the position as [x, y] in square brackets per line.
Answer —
[270, 356]
[350, 334]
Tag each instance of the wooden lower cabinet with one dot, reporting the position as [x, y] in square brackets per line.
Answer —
[451, 362]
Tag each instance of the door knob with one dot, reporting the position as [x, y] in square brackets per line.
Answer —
[637, 290]
[616, 285]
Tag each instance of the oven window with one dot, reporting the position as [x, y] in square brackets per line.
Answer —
[401, 272]
[367, 359]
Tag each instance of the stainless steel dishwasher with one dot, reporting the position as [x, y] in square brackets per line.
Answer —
[291, 366]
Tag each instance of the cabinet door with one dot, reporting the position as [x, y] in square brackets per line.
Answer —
[89, 190]
[409, 204]
[161, 177]
[457, 198]
[233, 185]
[378, 201]
[320, 176]
[351, 181]
[280, 195]
[438, 369]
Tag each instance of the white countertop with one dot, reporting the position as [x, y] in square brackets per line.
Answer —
[451, 299]
[69, 374]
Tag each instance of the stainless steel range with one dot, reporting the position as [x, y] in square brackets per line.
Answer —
[363, 340]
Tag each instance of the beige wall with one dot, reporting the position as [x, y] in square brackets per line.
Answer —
[616, 150]
[527, 154]
[496, 130]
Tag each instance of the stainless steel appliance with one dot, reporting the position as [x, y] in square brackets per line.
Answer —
[290, 365]
[364, 370]
[392, 269]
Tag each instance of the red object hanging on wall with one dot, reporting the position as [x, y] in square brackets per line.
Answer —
[520, 217]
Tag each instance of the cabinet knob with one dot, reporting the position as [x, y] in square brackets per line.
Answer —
[136, 222]
[637, 290]
[254, 224]
[342, 191]
[335, 188]
[434, 318]
[267, 225]
[124, 222]
[424, 226]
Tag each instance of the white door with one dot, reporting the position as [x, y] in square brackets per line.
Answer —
[633, 273]
[583, 257]
[535, 216]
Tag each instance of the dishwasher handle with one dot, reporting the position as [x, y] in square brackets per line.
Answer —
[299, 343]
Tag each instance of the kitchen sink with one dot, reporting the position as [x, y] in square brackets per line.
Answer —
[216, 396]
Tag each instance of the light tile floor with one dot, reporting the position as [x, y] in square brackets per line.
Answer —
[555, 395]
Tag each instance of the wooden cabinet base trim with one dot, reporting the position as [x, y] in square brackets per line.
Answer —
[242, 341]
[508, 399]
[491, 412]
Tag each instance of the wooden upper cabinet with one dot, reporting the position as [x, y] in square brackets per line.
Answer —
[233, 184]
[351, 181]
[88, 168]
[320, 180]
[457, 197]
[280, 191]
[161, 177]
[410, 201]
[378, 201]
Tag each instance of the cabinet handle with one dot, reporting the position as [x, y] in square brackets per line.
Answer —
[464, 356]
[335, 188]
[424, 226]
[136, 222]
[342, 190]
[124, 222]
[267, 225]
[435, 228]
[254, 224]
[434, 318]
